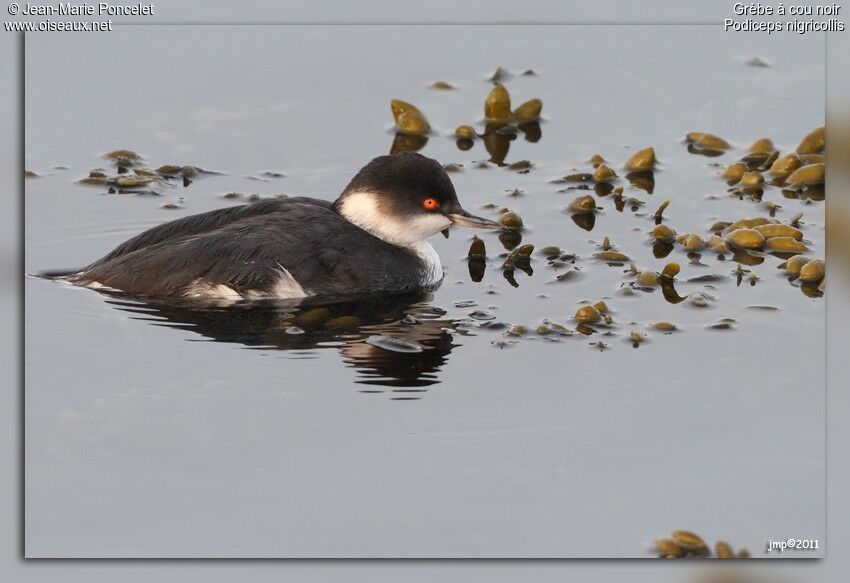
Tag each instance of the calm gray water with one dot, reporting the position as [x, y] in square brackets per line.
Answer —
[152, 431]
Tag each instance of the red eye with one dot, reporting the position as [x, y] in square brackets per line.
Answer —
[430, 204]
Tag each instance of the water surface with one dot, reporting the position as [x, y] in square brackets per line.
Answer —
[162, 430]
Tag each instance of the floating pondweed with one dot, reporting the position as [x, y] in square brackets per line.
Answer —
[648, 278]
[663, 233]
[795, 264]
[667, 549]
[671, 270]
[528, 111]
[642, 161]
[520, 254]
[95, 178]
[785, 165]
[722, 324]
[612, 256]
[745, 239]
[169, 170]
[717, 244]
[665, 327]
[408, 119]
[510, 220]
[768, 162]
[500, 74]
[813, 159]
[691, 242]
[813, 271]
[719, 226]
[603, 174]
[442, 86]
[811, 175]
[699, 300]
[752, 180]
[575, 177]
[521, 165]
[779, 230]
[497, 106]
[707, 141]
[477, 250]
[583, 204]
[481, 315]
[785, 245]
[763, 145]
[122, 155]
[749, 223]
[772, 207]
[661, 208]
[596, 160]
[587, 315]
[707, 278]
[688, 540]
[685, 544]
[723, 550]
[814, 142]
[517, 330]
[734, 172]
[132, 181]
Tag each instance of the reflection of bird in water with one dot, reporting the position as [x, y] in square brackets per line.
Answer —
[348, 325]
[408, 372]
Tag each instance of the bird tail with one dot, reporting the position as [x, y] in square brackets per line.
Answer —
[57, 273]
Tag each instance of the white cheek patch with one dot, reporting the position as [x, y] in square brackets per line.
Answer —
[424, 226]
[361, 208]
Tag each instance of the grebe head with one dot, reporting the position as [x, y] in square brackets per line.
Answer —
[404, 199]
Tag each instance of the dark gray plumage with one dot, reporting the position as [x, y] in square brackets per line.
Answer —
[245, 248]
[270, 248]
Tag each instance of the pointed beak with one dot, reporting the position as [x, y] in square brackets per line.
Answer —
[461, 218]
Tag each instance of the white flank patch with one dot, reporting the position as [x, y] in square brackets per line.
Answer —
[286, 288]
[100, 286]
[206, 290]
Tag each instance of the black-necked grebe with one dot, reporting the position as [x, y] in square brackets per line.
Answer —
[372, 239]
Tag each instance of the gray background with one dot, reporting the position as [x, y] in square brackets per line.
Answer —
[506, 12]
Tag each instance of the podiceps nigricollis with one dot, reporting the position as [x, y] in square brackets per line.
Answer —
[372, 239]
